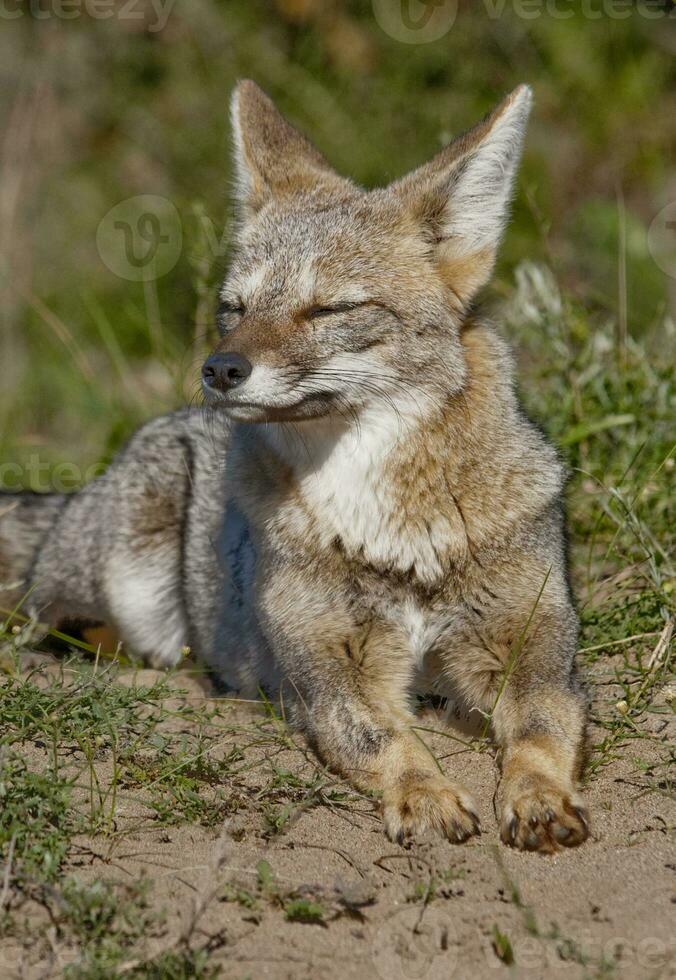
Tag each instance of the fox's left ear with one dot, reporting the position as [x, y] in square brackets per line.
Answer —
[463, 194]
[272, 158]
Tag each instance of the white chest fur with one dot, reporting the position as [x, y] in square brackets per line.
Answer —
[348, 487]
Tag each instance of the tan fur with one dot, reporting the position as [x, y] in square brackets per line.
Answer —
[466, 274]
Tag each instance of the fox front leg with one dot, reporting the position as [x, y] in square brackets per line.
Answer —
[539, 722]
[349, 684]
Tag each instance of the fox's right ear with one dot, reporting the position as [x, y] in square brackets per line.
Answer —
[272, 158]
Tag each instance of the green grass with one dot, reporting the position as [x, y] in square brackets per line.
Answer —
[102, 923]
[36, 820]
[316, 904]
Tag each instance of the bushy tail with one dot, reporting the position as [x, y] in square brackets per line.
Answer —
[25, 521]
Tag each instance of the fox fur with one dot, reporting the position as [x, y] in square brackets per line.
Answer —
[369, 516]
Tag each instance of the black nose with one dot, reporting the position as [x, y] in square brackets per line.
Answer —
[225, 371]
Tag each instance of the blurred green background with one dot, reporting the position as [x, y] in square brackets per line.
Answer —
[98, 110]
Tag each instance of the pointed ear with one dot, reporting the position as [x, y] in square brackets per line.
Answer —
[462, 196]
[271, 157]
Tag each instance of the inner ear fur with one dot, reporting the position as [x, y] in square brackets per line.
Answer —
[272, 158]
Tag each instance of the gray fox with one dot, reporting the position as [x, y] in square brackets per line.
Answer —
[361, 514]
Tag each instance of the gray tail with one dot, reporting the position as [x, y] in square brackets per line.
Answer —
[25, 521]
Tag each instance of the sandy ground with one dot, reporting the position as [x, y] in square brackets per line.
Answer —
[423, 911]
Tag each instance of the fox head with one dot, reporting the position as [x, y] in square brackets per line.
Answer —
[338, 296]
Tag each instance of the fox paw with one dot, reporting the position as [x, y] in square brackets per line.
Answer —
[542, 818]
[418, 802]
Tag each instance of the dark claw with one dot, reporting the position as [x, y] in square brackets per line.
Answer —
[400, 837]
[513, 824]
[534, 821]
[457, 831]
[582, 817]
[550, 816]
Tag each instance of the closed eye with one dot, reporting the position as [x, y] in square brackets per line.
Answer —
[228, 313]
[229, 306]
[315, 312]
